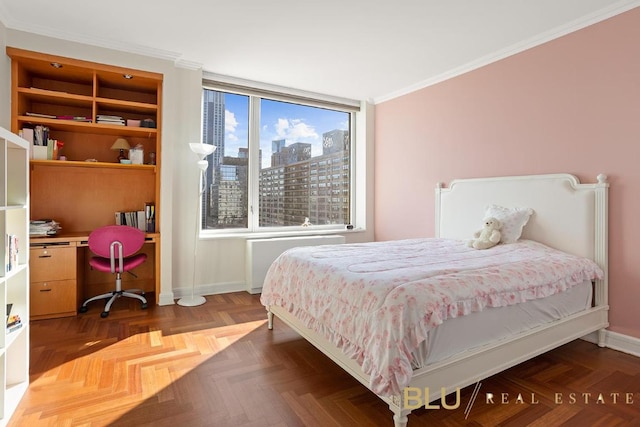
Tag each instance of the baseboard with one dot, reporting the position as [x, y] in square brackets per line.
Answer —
[624, 343]
[211, 289]
[166, 298]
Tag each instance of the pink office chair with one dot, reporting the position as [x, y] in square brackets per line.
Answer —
[116, 247]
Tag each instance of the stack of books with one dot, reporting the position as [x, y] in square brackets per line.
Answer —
[63, 117]
[43, 227]
[110, 120]
[144, 220]
[134, 219]
[40, 115]
[75, 118]
[13, 320]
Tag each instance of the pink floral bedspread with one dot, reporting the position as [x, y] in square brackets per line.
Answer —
[377, 301]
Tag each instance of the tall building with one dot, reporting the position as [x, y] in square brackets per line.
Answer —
[334, 141]
[278, 152]
[213, 133]
[231, 192]
[298, 186]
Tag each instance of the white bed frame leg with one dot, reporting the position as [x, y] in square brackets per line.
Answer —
[400, 416]
[269, 319]
[602, 338]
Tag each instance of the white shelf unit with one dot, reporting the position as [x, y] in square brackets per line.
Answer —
[14, 284]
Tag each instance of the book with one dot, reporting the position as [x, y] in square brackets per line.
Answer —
[27, 133]
[11, 255]
[40, 135]
[141, 220]
[14, 327]
[110, 120]
[135, 219]
[150, 216]
[44, 116]
[13, 320]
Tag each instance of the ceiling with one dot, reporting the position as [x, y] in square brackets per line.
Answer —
[358, 49]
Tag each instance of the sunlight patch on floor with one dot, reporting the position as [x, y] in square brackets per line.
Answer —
[112, 378]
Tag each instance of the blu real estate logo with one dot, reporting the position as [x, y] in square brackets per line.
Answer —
[415, 398]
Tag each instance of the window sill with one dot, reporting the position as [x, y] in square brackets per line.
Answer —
[276, 234]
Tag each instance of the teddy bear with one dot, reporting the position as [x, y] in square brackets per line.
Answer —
[488, 236]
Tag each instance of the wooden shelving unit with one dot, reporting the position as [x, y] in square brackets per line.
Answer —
[84, 191]
[14, 282]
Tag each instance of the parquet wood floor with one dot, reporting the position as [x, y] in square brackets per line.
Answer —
[219, 365]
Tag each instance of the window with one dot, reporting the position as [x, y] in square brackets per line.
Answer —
[281, 161]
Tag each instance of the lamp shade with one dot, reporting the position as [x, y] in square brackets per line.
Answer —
[202, 150]
[120, 144]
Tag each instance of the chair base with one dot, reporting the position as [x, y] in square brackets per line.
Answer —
[112, 296]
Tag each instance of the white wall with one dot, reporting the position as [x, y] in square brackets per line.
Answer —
[220, 263]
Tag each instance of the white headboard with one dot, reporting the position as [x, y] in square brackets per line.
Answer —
[568, 215]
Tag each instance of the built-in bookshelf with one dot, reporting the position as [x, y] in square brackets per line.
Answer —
[69, 98]
[14, 277]
[73, 112]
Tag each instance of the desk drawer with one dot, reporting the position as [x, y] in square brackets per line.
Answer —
[52, 263]
[53, 298]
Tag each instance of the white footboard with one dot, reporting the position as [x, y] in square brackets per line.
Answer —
[468, 368]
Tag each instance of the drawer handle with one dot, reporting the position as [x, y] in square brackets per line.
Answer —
[44, 256]
[45, 290]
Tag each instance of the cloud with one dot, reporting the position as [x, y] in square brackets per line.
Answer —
[230, 122]
[230, 125]
[294, 130]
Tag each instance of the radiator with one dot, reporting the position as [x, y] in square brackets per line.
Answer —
[262, 252]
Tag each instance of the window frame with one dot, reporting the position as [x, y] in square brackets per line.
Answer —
[255, 93]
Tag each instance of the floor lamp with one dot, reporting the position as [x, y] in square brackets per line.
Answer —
[202, 150]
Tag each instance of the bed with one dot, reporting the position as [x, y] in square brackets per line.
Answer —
[391, 336]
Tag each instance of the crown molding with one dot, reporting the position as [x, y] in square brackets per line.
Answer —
[29, 27]
[189, 65]
[539, 39]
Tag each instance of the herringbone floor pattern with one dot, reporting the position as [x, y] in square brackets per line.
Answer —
[218, 365]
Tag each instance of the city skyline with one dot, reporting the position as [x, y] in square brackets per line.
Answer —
[279, 120]
[304, 163]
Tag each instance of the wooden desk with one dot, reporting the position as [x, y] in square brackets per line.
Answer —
[61, 278]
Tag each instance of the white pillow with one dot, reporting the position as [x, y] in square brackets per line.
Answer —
[513, 221]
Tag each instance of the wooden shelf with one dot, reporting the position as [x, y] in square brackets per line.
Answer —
[127, 106]
[101, 165]
[54, 97]
[84, 127]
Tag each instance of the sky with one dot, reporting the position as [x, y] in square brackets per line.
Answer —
[279, 120]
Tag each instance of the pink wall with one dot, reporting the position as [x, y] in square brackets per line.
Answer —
[571, 105]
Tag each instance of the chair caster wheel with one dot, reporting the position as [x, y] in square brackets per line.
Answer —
[83, 309]
[143, 305]
[104, 314]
